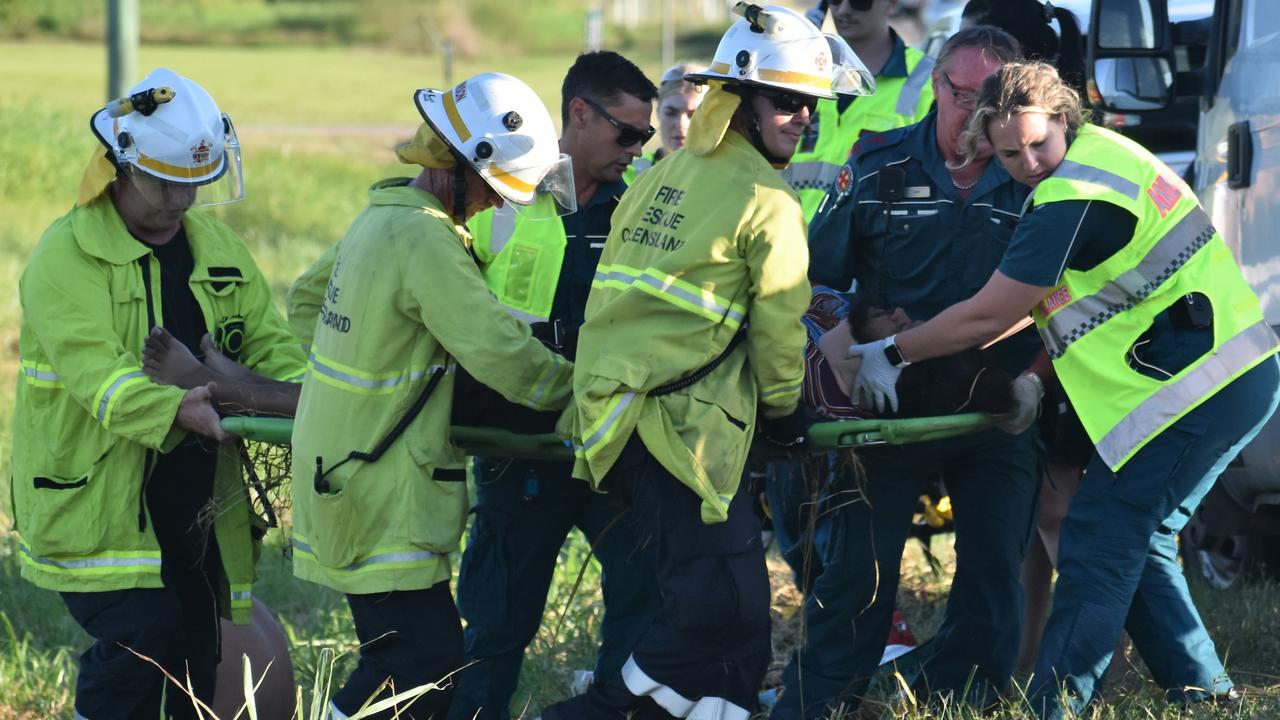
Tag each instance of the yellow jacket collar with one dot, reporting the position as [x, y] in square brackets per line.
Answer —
[101, 233]
[398, 191]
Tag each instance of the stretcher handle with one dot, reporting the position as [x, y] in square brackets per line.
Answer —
[504, 443]
[823, 437]
[278, 431]
[859, 433]
[476, 441]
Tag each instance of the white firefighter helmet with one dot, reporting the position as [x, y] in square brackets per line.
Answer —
[776, 47]
[504, 132]
[169, 135]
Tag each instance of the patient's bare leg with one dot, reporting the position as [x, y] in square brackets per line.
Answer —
[237, 389]
[169, 362]
[225, 366]
[242, 391]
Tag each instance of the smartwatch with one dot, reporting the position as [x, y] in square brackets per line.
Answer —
[893, 354]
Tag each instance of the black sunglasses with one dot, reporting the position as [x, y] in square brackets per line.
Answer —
[853, 4]
[789, 103]
[627, 135]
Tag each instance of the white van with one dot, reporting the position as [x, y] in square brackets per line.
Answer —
[1138, 63]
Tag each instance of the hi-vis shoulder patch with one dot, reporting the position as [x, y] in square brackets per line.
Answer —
[1055, 300]
[844, 181]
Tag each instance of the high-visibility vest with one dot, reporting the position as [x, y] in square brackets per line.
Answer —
[898, 101]
[1092, 319]
[520, 254]
[639, 165]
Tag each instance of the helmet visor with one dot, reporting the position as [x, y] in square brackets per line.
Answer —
[169, 194]
[557, 185]
[553, 196]
[848, 75]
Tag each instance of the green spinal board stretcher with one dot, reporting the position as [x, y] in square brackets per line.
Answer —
[823, 436]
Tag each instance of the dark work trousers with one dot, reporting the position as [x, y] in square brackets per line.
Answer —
[1118, 558]
[707, 650]
[177, 625]
[793, 490]
[524, 511]
[408, 638]
[993, 480]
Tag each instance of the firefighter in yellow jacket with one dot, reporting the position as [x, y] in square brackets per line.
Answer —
[379, 495]
[112, 472]
[693, 321]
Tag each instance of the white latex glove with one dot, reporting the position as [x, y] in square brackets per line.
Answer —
[876, 380]
[817, 14]
[1027, 391]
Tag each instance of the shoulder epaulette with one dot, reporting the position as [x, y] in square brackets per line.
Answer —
[870, 141]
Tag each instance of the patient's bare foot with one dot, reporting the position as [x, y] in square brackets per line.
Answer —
[222, 365]
[169, 362]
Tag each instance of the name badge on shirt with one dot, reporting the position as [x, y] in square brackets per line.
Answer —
[917, 192]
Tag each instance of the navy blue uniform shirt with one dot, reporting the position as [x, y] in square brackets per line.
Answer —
[585, 232]
[926, 250]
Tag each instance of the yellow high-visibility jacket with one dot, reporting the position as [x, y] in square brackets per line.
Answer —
[87, 420]
[700, 246]
[403, 301]
[305, 296]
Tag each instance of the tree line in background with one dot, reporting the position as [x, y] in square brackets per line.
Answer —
[472, 27]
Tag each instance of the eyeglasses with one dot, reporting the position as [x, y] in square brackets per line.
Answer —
[789, 103]
[853, 4]
[627, 134]
[964, 100]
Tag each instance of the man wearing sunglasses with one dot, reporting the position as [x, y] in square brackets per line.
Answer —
[692, 332]
[903, 96]
[540, 268]
[917, 231]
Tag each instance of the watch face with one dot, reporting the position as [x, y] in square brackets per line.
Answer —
[894, 355]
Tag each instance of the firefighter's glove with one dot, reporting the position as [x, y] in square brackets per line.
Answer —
[1027, 391]
[789, 433]
[817, 14]
[877, 379]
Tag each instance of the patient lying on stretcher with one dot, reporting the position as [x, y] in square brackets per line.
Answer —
[963, 382]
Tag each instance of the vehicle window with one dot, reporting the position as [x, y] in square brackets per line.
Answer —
[1128, 24]
[1261, 25]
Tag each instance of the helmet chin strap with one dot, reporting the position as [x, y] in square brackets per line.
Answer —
[753, 128]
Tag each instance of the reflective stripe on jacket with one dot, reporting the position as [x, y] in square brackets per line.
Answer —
[1093, 317]
[404, 300]
[699, 246]
[86, 417]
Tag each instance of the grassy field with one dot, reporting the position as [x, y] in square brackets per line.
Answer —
[318, 125]
[474, 28]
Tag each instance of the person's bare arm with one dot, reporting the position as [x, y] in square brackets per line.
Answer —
[1000, 304]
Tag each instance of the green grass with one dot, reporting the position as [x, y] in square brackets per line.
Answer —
[317, 126]
[475, 28]
[38, 641]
